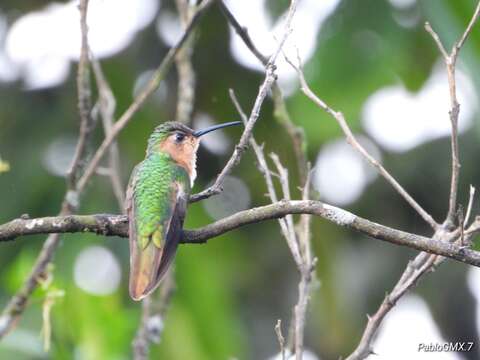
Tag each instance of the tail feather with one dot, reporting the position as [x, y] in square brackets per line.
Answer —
[151, 256]
[144, 265]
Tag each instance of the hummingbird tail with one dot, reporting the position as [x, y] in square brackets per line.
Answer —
[153, 244]
[144, 265]
[148, 266]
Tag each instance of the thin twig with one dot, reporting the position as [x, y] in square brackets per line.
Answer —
[243, 33]
[296, 133]
[424, 261]
[267, 174]
[107, 106]
[281, 339]
[450, 60]
[151, 325]
[140, 343]
[364, 349]
[152, 85]
[292, 236]
[471, 200]
[304, 233]
[304, 265]
[186, 74]
[262, 93]
[17, 304]
[306, 271]
[242, 145]
[84, 100]
[338, 116]
[304, 260]
[422, 264]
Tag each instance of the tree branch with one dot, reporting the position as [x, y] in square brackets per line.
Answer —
[424, 263]
[243, 33]
[450, 63]
[280, 112]
[364, 348]
[299, 237]
[242, 145]
[15, 307]
[152, 85]
[338, 116]
[186, 74]
[117, 225]
[84, 100]
[106, 106]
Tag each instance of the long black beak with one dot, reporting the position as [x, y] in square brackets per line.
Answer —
[199, 133]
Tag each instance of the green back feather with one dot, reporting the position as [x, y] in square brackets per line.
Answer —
[153, 196]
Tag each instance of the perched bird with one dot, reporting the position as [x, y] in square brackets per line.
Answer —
[156, 202]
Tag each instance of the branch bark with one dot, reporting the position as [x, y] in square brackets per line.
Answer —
[116, 225]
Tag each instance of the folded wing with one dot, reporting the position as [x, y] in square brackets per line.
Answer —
[153, 238]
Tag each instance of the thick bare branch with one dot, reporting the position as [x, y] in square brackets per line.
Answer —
[117, 225]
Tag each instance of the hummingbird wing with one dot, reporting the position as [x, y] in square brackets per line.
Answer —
[156, 206]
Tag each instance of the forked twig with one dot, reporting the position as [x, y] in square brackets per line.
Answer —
[262, 93]
[450, 60]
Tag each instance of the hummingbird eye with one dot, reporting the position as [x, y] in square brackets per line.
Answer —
[179, 137]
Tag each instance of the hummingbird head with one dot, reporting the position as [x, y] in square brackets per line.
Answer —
[180, 142]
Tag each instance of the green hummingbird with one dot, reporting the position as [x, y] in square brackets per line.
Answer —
[156, 202]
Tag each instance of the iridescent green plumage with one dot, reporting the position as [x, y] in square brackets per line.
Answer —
[156, 202]
[157, 198]
[153, 194]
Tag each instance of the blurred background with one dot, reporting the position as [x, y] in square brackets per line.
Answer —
[370, 59]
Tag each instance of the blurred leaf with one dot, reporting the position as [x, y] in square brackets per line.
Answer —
[4, 166]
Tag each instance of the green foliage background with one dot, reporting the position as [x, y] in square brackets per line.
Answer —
[231, 291]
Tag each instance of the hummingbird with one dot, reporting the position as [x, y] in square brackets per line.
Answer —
[156, 202]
